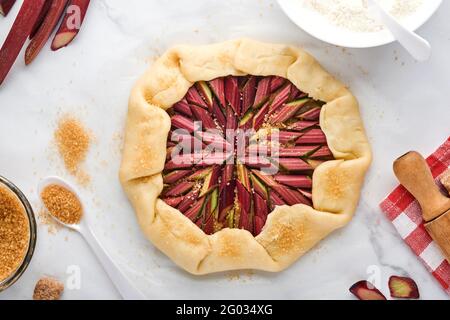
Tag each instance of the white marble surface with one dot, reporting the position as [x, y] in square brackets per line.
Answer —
[404, 105]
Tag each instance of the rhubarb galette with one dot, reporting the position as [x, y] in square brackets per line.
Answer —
[241, 155]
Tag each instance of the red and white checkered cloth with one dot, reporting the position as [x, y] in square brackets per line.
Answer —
[404, 212]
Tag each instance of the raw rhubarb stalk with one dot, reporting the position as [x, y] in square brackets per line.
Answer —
[262, 92]
[228, 172]
[45, 30]
[205, 93]
[173, 202]
[175, 176]
[194, 97]
[295, 92]
[18, 34]
[178, 163]
[283, 136]
[40, 19]
[5, 6]
[291, 197]
[403, 287]
[198, 159]
[187, 142]
[258, 162]
[246, 121]
[208, 225]
[275, 200]
[314, 136]
[260, 206]
[218, 88]
[213, 137]
[218, 113]
[285, 112]
[276, 82]
[311, 115]
[204, 117]
[302, 125]
[243, 176]
[232, 94]
[199, 174]
[195, 212]
[259, 187]
[226, 198]
[248, 94]
[180, 122]
[231, 119]
[296, 151]
[294, 180]
[211, 181]
[280, 98]
[259, 118]
[294, 164]
[188, 200]
[179, 189]
[364, 290]
[183, 108]
[245, 201]
[71, 23]
[322, 153]
[265, 178]
[306, 192]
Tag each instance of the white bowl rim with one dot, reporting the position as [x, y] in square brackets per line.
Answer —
[355, 39]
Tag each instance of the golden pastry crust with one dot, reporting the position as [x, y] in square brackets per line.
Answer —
[290, 231]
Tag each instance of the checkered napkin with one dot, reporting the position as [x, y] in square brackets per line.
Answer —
[404, 212]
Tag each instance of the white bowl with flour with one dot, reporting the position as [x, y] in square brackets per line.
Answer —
[349, 23]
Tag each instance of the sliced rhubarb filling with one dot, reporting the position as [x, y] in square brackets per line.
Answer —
[239, 147]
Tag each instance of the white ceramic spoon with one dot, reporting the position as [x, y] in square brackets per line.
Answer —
[417, 46]
[123, 285]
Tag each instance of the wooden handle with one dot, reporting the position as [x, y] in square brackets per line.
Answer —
[439, 229]
[414, 174]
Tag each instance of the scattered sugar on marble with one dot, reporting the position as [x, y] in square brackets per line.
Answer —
[73, 142]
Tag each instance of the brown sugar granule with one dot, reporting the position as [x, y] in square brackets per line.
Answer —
[73, 142]
[48, 289]
[14, 233]
[62, 204]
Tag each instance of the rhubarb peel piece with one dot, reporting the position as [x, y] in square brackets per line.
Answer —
[403, 287]
[21, 29]
[364, 290]
[5, 6]
[232, 94]
[45, 30]
[71, 23]
[41, 18]
[262, 190]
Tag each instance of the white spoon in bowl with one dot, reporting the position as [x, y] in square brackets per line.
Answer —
[417, 46]
[121, 282]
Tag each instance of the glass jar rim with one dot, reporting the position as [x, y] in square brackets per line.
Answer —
[11, 279]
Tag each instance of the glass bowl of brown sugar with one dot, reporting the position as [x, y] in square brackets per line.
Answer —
[17, 233]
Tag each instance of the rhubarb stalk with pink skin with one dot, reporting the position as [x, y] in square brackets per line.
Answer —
[71, 23]
[21, 29]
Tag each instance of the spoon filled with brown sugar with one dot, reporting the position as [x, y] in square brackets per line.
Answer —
[65, 206]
